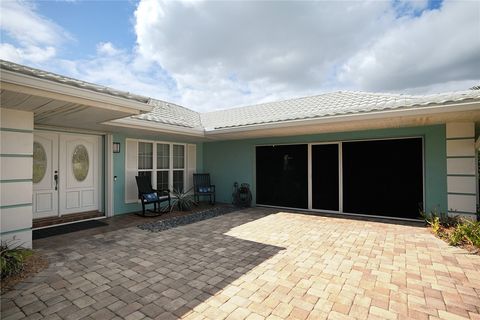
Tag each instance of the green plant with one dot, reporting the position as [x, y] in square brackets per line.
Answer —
[433, 220]
[12, 258]
[466, 231]
[182, 200]
[439, 220]
[436, 225]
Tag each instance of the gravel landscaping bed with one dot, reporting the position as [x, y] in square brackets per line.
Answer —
[162, 225]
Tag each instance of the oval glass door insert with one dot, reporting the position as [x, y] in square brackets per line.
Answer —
[39, 162]
[80, 163]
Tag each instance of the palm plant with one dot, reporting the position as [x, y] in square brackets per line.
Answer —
[183, 200]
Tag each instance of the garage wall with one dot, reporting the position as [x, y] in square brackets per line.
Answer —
[234, 161]
[461, 169]
[16, 156]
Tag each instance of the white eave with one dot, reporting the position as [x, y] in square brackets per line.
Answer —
[34, 86]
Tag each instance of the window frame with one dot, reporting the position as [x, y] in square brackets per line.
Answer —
[154, 169]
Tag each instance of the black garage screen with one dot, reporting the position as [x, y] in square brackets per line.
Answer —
[378, 177]
[282, 175]
[383, 177]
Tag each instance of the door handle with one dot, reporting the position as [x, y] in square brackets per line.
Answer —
[55, 177]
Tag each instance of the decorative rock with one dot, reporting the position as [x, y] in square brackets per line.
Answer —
[162, 225]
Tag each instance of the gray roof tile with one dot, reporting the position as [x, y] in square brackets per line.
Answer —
[328, 104]
[172, 114]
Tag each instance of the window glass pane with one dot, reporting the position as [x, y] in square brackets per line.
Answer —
[145, 155]
[162, 180]
[163, 156]
[178, 180]
[146, 173]
[178, 156]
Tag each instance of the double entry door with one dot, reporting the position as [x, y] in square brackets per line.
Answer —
[66, 169]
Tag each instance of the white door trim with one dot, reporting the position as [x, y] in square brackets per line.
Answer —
[109, 175]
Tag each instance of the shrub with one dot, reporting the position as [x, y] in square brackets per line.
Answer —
[455, 230]
[12, 259]
[466, 232]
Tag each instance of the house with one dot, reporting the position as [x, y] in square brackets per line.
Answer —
[72, 148]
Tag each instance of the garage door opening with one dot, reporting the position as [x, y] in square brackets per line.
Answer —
[383, 177]
[282, 175]
[374, 177]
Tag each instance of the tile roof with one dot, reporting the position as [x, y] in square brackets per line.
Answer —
[328, 104]
[323, 105]
[37, 73]
[172, 114]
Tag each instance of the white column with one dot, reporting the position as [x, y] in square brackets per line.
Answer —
[16, 157]
[461, 169]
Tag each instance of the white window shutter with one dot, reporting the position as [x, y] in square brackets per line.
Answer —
[191, 164]
[131, 169]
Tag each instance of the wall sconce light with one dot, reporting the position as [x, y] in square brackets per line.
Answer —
[116, 147]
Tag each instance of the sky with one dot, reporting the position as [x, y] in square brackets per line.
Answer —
[210, 55]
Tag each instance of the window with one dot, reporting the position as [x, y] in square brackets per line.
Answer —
[168, 165]
[178, 167]
[163, 166]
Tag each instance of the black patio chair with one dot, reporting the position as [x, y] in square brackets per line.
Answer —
[203, 187]
[148, 195]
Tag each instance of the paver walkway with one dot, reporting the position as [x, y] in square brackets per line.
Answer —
[254, 264]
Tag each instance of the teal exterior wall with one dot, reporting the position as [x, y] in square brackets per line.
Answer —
[119, 205]
[234, 161]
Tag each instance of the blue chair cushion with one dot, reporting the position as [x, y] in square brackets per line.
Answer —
[150, 197]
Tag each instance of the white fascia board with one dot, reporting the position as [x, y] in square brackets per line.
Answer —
[156, 127]
[421, 111]
[54, 90]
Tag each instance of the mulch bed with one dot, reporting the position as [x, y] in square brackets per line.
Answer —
[33, 264]
[166, 224]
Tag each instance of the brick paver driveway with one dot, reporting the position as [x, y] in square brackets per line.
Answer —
[255, 264]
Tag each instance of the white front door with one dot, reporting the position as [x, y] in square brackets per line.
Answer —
[78, 173]
[45, 168]
[66, 171]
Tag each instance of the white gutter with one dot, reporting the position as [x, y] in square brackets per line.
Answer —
[27, 84]
[437, 109]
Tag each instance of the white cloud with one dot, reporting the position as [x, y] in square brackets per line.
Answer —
[227, 53]
[208, 55]
[10, 53]
[230, 53]
[438, 47]
[22, 22]
[107, 48]
[121, 70]
[35, 38]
